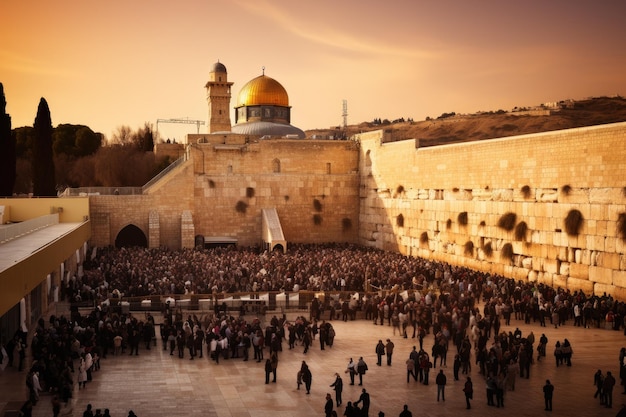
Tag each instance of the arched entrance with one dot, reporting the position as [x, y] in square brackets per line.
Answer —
[131, 235]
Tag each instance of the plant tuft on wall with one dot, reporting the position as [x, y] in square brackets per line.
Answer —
[621, 226]
[462, 218]
[507, 252]
[399, 190]
[424, 238]
[482, 223]
[573, 222]
[455, 189]
[468, 248]
[317, 205]
[241, 206]
[400, 220]
[488, 249]
[317, 219]
[525, 191]
[507, 221]
[520, 231]
[346, 224]
[249, 192]
[448, 224]
[211, 184]
[566, 189]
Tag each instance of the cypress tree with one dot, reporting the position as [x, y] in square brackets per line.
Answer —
[42, 163]
[7, 150]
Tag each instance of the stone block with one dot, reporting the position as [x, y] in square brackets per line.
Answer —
[608, 260]
[551, 266]
[600, 275]
[580, 271]
[619, 278]
[564, 269]
[559, 281]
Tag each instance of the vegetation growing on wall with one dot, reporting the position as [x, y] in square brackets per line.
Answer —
[399, 190]
[621, 226]
[400, 220]
[507, 252]
[507, 221]
[482, 223]
[317, 219]
[462, 218]
[249, 192]
[468, 248]
[448, 224]
[317, 205]
[455, 189]
[566, 189]
[520, 231]
[286, 198]
[241, 206]
[211, 184]
[346, 224]
[525, 191]
[488, 249]
[573, 222]
[424, 238]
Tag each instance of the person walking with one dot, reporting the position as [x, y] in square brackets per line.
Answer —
[307, 377]
[328, 407]
[441, 385]
[468, 389]
[598, 382]
[338, 387]
[389, 348]
[380, 351]
[548, 391]
[365, 400]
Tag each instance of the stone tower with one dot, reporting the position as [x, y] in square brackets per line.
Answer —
[218, 98]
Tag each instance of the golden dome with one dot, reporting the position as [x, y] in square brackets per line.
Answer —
[263, 90]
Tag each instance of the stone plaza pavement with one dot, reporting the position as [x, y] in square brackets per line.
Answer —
[156, 384]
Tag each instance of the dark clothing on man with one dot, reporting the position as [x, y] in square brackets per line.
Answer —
[548, 390]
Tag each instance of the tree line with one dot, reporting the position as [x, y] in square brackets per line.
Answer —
[43, 160]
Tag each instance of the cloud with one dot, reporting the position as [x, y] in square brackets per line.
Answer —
[333, 36]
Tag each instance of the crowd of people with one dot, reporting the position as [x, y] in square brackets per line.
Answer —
[419, 298]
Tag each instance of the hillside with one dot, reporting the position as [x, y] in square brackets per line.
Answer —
[489, 125]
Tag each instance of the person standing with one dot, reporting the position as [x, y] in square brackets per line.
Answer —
[351, 369]
[361, 368]
[380, 351]
[365, 400]
[441, 385]
[405, 412]
[389, 348]
[56, 406]
[548, 391]
[410, 369]
[338, 387]
[598, 381]
[328, 407]
[274, 363]
[607, 389]
[468, 389]
[268, 370]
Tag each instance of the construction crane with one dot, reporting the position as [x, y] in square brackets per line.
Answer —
[184, 121]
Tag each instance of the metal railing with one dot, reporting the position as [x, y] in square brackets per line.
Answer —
[163, 173]
[15, 230]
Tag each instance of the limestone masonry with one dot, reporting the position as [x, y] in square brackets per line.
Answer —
[559, 197]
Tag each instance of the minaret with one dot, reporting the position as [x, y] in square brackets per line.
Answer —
[218, 98]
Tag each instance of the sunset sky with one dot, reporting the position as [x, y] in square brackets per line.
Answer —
[105, 64]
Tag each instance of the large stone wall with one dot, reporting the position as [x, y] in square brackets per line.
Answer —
[222, 188]
[445, 203]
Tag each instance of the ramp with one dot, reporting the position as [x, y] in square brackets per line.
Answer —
[272, 230]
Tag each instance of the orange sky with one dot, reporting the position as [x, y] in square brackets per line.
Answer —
[119, 62]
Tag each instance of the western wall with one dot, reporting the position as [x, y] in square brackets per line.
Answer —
[560, 198]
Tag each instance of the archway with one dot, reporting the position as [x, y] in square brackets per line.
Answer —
[131, 235]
